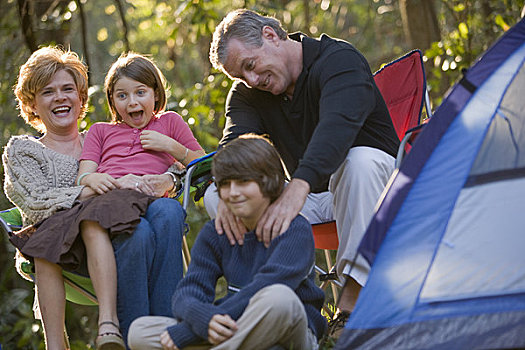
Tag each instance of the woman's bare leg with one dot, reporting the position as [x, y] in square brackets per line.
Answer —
[103, 272]
[52, 302]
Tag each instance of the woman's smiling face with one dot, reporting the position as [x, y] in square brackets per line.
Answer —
[58, 103]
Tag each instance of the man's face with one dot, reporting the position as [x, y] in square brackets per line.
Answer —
[263, 68]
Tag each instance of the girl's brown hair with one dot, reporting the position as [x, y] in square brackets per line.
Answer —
[38, 71]
[250, 157]
[140, 68]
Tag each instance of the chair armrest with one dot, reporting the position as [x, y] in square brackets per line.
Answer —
[10, 220]
[198, 176]
[5, 228]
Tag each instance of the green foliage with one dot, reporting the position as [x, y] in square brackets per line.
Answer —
[18, 329]
[177, 35]
[469, 28]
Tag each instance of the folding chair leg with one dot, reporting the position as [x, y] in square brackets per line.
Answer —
[329, 268]
[66, 338]
[186, 258]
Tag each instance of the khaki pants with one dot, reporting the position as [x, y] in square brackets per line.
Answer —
[274, 318]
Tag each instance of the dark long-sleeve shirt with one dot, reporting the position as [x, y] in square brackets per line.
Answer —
[335, 106]
[247, 269]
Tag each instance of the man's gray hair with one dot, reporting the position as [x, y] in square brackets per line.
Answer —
[245, 26]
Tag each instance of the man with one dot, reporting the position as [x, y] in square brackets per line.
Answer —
[317, 101]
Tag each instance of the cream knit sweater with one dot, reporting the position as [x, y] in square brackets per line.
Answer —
[38, 180]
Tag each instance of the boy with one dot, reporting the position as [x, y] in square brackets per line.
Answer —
[272, 299]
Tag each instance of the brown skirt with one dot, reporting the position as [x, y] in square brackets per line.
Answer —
[57, 239]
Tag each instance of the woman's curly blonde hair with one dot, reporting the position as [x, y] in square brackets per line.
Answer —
[38, 71]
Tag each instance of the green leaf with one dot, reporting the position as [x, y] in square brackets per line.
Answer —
[459, 7]
[463, 30]
[501, 23]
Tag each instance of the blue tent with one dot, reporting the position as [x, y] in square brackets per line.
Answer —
[448, 241]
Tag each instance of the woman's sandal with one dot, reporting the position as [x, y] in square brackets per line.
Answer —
[110, 340]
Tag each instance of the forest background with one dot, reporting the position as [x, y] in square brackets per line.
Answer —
[177, 33]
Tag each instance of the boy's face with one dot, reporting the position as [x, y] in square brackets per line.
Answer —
[244, 199]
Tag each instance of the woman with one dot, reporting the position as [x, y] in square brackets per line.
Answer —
[40, 179]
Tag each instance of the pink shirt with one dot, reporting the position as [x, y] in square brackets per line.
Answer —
[117, 150]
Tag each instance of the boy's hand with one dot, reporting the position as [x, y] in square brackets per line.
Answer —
[278, 216]
[155, 141]
[221, 328]
[100, 182]
[166, 341]
[232, 226]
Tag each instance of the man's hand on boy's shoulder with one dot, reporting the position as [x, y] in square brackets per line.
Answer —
[278, 216]
[166, 341]
[221, 328]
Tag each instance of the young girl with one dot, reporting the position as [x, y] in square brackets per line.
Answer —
[142, 140]
[142, 137]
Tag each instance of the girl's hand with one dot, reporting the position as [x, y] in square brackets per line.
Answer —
[155, 141]
[160, 184]
[221, 328]
[100, 182]
[166, 341]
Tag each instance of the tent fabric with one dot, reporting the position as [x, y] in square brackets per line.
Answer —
[498, 330]
[439, 124]
[447, 242]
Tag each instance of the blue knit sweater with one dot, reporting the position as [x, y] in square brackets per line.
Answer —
[247, 269]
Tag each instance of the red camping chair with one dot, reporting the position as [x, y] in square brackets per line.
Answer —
[403, 86]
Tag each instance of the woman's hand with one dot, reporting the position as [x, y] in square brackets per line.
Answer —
[221, 328]
[134, 182]
[160, 184]
[166, 341]
[100, 182]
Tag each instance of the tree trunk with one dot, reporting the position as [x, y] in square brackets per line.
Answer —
[40, 25]
[83, 25]
[419, 23]
[124, 23]
[25, 14]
